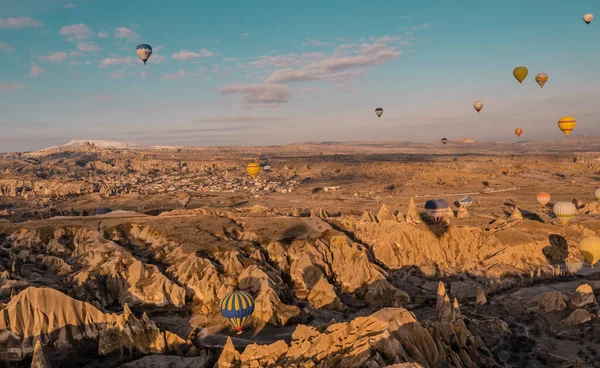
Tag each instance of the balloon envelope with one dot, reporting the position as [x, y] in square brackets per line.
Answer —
[567, 124]
[518, 132]
[520, 73]
[379, 111]
[590, 249]
[597, 194]
[437, 209]
[253, 169]
[543, 198]
[564, 211]
[588, 18]
[465, 201]
[478, 105]
[267, 167]
[237, 307]
[144, 51]
[262, 161]
[444, 140]
[541, 79]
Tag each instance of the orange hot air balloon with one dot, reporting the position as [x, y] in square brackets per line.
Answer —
[541, 79]
[567, 124]
[543, 198]
[253, 169]
[518, 132]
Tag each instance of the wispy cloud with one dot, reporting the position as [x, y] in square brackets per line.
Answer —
[317, 43]
[5, 47]
[21, 22]
[75, 32]
[279, 61]
[73, 63]
[118, 74]
[88, 47]
[424, 25]
[57, 57]
[70, 6]
[267, 94]
[182, 73]
[75, 53]
[102, 35]
[35, 70]
[11, 86]
[245, 34]
[190, 55]
[126, 33]
[129, 60]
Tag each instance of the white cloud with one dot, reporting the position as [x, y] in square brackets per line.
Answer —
[118, 74]
[102, 35]
[316, 43]
[5, 47]
[181, 74]
[74, 62]
[35, 70]
[124, 32]
[75, 53]
[129, 60]
[347, 46]
[189, 55]
[280, 61]
[267, 94]
[422, 26]
[88, 62]
[74, 32]
[156, 59]
[8, 86]
[88, 47]
[388, 39]
[21, 22]
[57, 57]
[70, 6]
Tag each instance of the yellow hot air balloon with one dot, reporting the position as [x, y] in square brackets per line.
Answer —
[590, 249]
[564, 211]
[478, 105]
[518, 132]
[520, 73]
[567, 124]
[253, 169]
[543, 198]
[541, 79]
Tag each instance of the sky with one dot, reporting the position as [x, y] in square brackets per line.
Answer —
[276, 72]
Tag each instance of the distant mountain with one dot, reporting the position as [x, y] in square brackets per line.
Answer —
[97, 143]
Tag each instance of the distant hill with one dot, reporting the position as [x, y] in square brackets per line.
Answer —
[97, 143]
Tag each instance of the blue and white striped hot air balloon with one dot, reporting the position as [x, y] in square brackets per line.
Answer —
[465, 201]
[144, 51]
[237, 307]
[437, 209]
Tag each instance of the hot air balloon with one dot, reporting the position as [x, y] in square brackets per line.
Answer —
[379, 111]
[541, 79]
[444, 140]
[253, 169]
[437, 209]
[262, 161]
[543, 198]
[590, 249]
[478, 105]
[588, 18]
[465, 201]
[144, 51]
[567, 124]
[184, 198]
[564, 211]
[267, 167]
[520, 73]
[237, 307]
[518, 132]
[597, 194]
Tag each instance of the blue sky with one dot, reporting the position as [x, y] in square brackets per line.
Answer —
[276, 72]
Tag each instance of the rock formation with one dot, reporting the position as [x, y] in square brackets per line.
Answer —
[584, 295]
[578, 317]
[550, 301]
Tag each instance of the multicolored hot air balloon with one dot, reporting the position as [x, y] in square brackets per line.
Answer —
[444, 140]
[564, 211]
[437, 209]
[184, 198]
[588, 18]
[237, 307]
[543, 198]
[144, 51]
[253, 169]
[465, 201]
[518, 132]
[267, 167]
[520, 73]
[262, 161]
[541, 79]
[478, 105]
[379, 111]
[590, 249]
[567, 124]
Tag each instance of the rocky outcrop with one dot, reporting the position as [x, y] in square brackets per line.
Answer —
[413, 215]
[584, 296]
[39, 359]
[578, 317]
[550, 301]
[385, 214]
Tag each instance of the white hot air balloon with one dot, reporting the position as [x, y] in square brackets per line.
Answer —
[597, 194]
[564, 211]
[588, 18]
[478, 105]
